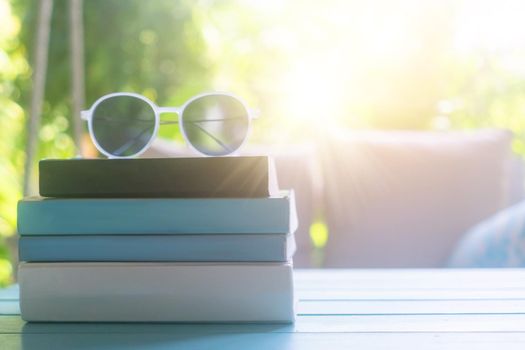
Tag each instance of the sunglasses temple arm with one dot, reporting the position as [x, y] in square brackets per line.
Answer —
[131, 142]
[213, 137]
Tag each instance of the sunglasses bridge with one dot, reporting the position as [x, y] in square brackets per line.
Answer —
[162, 110]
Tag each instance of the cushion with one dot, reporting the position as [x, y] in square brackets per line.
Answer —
[496, 242]
[403, 199]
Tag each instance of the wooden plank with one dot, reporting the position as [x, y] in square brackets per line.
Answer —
[304, 324]
[333, 341]
[422, 284]
[407, 274]
[9, 293]
[9, 307]
[11, 324]
[389, 307]
[411, 323]
[496, 279]
[408, 294]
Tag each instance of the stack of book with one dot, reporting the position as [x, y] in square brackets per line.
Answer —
[160, 240]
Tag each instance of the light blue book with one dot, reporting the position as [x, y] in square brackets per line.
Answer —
[54, 216]
[218, 248]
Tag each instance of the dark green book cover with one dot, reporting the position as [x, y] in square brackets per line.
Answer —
[241, 177]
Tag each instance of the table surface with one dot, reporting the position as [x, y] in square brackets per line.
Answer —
[337, 309]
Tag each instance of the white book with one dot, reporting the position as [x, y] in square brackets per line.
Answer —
[156, 292]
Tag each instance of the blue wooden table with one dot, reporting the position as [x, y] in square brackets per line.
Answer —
[337, 309]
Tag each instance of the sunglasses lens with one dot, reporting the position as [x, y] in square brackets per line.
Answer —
[123, 125]
[215, 125]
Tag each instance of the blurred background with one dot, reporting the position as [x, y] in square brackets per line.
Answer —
[328, 77]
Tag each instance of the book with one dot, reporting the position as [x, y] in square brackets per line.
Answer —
[70, 216]
[156, 292]
[268, 247]
[158, 177]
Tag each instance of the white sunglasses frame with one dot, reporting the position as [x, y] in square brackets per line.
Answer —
[87, 115]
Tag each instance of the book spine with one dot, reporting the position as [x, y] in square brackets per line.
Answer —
[156, 216]
[156, 292]
[240, 248]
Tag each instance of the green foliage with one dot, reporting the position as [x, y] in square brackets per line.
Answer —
[488, 94]
[148, 47]
[12, 66]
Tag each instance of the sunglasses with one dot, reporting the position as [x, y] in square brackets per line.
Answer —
[123, 125]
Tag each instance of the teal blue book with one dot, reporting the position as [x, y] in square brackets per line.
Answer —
[76, 216]
[157, 248]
